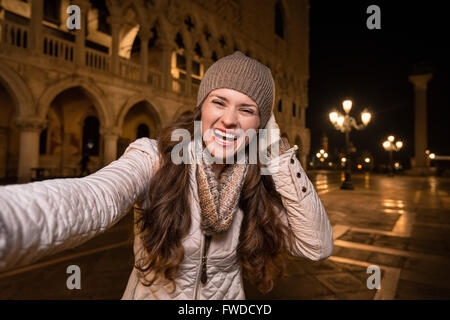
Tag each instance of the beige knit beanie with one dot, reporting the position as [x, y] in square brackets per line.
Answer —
[244, 74]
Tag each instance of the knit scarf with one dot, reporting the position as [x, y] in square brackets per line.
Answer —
[219, 198]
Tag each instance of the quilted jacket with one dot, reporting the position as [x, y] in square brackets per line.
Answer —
[42, 218]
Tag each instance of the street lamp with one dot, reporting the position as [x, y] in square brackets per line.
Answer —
[322, 155]
[390, 146]
[345, 123]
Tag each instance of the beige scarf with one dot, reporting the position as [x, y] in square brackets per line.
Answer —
[219, 198]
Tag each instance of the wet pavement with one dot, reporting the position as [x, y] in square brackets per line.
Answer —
[400, 224]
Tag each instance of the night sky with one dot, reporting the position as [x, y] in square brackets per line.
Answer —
[372, 68]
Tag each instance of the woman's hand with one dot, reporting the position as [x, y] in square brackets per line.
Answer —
[274, 138]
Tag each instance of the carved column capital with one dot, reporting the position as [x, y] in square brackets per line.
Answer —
[420, 81]
[110, 132]
[30, 123]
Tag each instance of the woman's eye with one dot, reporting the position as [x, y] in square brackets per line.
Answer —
[218, 102]
[249, 111]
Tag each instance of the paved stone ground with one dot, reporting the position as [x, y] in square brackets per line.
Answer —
[400, 224]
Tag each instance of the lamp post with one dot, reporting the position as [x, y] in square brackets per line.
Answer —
[322, 155]
[390, 146]
[345, 123]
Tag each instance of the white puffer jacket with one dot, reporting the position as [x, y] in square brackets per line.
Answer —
[42, 218]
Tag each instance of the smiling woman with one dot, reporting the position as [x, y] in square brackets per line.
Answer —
[227, 115]
[199, 227]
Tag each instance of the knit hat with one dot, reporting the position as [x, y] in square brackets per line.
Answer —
[243, 74]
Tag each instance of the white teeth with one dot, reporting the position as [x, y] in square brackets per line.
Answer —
[225, 135]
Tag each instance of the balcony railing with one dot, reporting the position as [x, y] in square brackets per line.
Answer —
[58, 48]
[13, 34]
[179, 86]
[53, 46]
[128, 69]
[155, 78]
[97, 60]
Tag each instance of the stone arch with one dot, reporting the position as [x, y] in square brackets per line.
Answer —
[158, 113]
[92, 91]
[18, 90]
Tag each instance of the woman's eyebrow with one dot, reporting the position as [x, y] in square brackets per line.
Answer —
[220, 97]
[248, 105]
[242, 104]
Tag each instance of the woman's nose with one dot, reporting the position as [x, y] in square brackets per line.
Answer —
[230, 117]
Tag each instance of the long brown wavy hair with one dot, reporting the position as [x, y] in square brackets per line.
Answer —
[263, 237]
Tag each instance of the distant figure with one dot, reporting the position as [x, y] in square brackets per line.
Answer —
[83, 165]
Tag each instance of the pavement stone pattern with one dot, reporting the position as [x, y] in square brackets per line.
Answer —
[400, 224]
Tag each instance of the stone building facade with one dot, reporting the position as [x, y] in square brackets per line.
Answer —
[64, 92]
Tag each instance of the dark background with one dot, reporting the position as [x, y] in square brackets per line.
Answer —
[372, 67]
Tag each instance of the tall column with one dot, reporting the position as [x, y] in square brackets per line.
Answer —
[30, 129]
[420, 83]
[115, 22]
[80, 35]
[65, 154]
[110, 137]
[36, 29]
[167, 47]
[144, 35]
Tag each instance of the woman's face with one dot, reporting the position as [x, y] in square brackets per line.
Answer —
[226, 115]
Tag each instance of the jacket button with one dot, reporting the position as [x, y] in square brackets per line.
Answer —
[298, 175]
[292, 161]
[304, 189]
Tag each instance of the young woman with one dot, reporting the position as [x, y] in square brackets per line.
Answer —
[199, 226]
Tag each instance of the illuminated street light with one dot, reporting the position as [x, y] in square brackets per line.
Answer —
[347, 105]
[345, 123]
[432, 156]
[321, 155]
[390, 146]
[367, 160]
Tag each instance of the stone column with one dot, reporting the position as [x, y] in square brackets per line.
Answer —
[65, 154]
[80, 35]
[144, 35]
[420, 83]
[36, 29]
[30, 129]
[167, 47]
[110, 137]
[115, 23]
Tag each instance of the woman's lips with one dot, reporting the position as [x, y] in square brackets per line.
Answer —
[223, 138]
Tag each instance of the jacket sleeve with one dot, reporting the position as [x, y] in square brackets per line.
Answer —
[42, 218]
[303, 211]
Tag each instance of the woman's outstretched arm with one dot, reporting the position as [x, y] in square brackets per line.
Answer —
[42, 218]
[304, 212]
